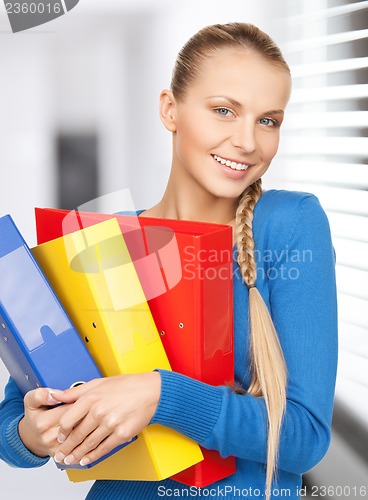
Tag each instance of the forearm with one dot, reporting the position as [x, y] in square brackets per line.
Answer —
[234, 424]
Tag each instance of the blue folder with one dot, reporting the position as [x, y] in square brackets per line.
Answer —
[38, 343]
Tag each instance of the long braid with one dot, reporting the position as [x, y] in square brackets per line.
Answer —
[244, 232]
[267, 360]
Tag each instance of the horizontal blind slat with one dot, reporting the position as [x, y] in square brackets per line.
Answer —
[319, 172]
[327, 13]
[353, 310]
[329, 93]
[351, 253]
[327, 120]
[347, 226]
[352, 367]
[322, 68]
[325, 41]
[317, 145]
[353, 338]
[352, 281]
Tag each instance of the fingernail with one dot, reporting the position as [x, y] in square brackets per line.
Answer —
[69, 459]
[85, 461]
[61, 438]
[51, 400]
[59, 457]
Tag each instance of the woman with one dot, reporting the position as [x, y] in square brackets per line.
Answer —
[228, 94]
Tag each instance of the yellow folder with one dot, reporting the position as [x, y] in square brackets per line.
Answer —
[92, 273]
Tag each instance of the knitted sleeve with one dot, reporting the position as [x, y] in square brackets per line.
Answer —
[297, 280]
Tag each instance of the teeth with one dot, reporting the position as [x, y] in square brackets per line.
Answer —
[231, 164]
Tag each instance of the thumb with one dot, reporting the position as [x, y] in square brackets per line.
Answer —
[36, 398]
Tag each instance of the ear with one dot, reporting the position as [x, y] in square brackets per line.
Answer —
[168, 110]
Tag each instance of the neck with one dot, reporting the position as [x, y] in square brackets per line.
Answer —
[188, 202]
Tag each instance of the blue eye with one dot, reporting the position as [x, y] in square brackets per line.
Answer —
[224, 111]
[268, 122]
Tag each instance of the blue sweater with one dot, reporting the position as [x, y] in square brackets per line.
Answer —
[296, 277]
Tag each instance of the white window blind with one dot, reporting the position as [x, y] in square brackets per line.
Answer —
[324, 150]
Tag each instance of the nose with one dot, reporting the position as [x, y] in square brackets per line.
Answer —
[244, 136]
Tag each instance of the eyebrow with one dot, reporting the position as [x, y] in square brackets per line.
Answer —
[226, 98]
[236, 103]
[274, 112]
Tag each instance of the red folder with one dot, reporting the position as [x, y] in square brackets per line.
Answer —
[185, 269]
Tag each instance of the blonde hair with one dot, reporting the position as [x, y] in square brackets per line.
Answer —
[267, 360]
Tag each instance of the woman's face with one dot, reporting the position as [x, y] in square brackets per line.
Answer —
[226, 128]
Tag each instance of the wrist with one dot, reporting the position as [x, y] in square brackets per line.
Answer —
[27, 438]
[155, 390]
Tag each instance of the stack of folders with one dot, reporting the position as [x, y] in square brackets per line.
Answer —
[183, 270]
[92, 272]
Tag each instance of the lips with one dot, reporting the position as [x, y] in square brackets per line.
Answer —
[231, 164]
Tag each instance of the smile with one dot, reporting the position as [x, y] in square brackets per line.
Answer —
[232, 164]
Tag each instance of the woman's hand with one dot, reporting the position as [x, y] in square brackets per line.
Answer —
[106, 413]
[39, 427]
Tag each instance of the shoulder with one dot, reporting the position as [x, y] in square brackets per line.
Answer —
[280, 214]
[282, 202]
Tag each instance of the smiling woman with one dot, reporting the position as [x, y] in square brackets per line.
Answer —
[224, 110]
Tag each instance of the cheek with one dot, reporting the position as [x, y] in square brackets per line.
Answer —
[269, 146]
[195, 130]
[186, 134]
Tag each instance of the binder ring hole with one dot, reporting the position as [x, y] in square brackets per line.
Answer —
[181, 325]
[80, 382]
[162, 332]
[94, 325]
[86, 339]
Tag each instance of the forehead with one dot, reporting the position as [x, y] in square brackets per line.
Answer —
[243, 74]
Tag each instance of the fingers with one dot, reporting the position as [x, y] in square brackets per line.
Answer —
[96, 445]
[69, 428]
[37, 398]
[75, 447]
[77, 426]
[96, 433]
[71, 395]
[103, 449]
